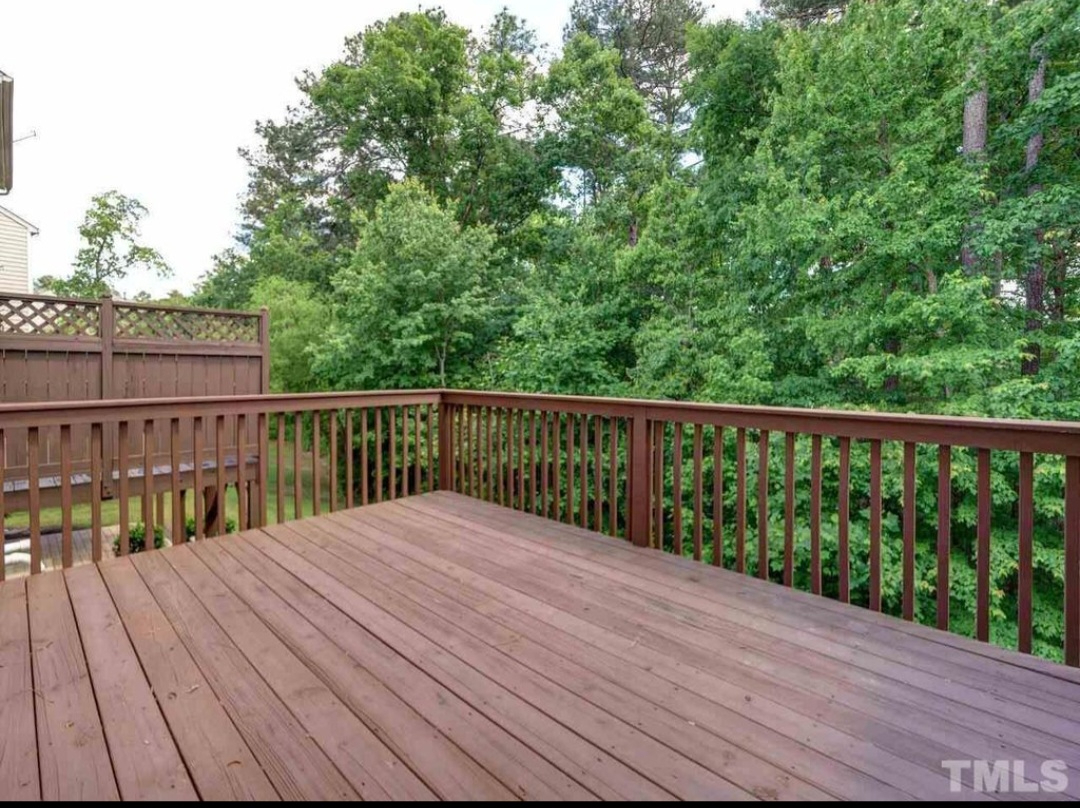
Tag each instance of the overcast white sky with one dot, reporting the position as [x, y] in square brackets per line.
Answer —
[153, 99]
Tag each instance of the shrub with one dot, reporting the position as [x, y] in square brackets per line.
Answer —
[189, 526]
[137, 538]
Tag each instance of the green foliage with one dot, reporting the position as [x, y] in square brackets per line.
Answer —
[296, 326]
[110, 250]
[137, 539]
[189, 526]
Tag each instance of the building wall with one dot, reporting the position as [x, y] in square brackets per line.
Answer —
[14, 256]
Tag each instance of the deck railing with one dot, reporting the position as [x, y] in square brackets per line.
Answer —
[807, 498]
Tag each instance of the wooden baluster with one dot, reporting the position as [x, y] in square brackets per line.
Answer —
[909, 532]
[459, 483]
[699, 493]
[242, 505]
[393, 453]
[264, 470]
[844, 515]
[1072, 561]
[378, 455]
[1025, 580]
[545, 469]
[219, 451]
[944, 535]
[659, 427]
[598, 474]
[499, 468]
[556, 425]
[67, 550]
[198, 441]
[763, 505]
[740, 500]
[468, 480]
[96, 483]
[365, 468]
[34, 471]
[613, 478]
[583, 470]
[280, 470]
[148, 483]
[405, 451]
[416, 449]
[316, 470]
[718, 497]
[3, 465]
[350, 495]
[982, 553]
[532, 461]
[490, 452]
[875, 525]
[298, 465]
[174, 482]
[569, 468]
[430, 448]
[333, 461]
[815, 514]
[510, 464]
[123, 486]
[676, 490]
[789, 509]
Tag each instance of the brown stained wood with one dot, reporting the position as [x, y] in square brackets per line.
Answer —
[416, 449]
[677, 490]
[378, 455]
[815, 514]
[1025, 571]
[123, 486]
[367, 764]
[72, 755]
[459, 449]
[659, 428]
[242, 505]
[508, 471]
[789, 509]
[144, 757]
[718, 497]
[598, 474]
[613, 477]
[32, 441]
[174, 481]
[148, 482]
[875, 525]
[365, 468]
[298, 466]
[220, 762]
[3, 513]
[430, 448]
[844, 516]
[316, 466]
[198, 439]
[583, 471]
[521, 461]
[292, 759]
[1072, 561]
[740, 500]
[533, 482]
[334, 461]
[19, 778]
[67, 551]
[468, 475]
[556, 481]
[350, 460]
[280, 492]
[908, 605]
[570, 469]
[500, 469]
[545, 469]
[489, 456]
[763, 505]
[96, 482]
[944, 535]
[699, 494]
[263, 480]
[219, 476]
[982, 553]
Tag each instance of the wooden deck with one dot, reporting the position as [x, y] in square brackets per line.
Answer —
[441, 647]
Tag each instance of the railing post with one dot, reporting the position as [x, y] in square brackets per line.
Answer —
[446, 447]
[639, 481]
[106, 333]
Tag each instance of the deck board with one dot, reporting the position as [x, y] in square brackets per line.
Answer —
[440, 647]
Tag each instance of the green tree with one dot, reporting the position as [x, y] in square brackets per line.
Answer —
[297, 323]
[110, 251]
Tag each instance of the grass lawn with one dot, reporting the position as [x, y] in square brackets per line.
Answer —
[110, 509]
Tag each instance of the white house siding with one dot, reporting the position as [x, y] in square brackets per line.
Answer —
[14, 256]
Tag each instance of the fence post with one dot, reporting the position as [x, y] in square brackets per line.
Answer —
[107, 332]
[446, 447]
[639, 481]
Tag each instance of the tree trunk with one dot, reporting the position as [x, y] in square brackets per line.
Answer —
[974, 147]
[1035, 281]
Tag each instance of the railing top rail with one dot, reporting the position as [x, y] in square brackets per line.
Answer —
[1049, 437]
[83, 412]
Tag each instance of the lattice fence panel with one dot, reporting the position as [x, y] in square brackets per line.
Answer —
[133, 322]
[49, 318]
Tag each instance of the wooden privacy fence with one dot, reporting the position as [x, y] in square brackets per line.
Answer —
[697, 480]
[58, 349]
